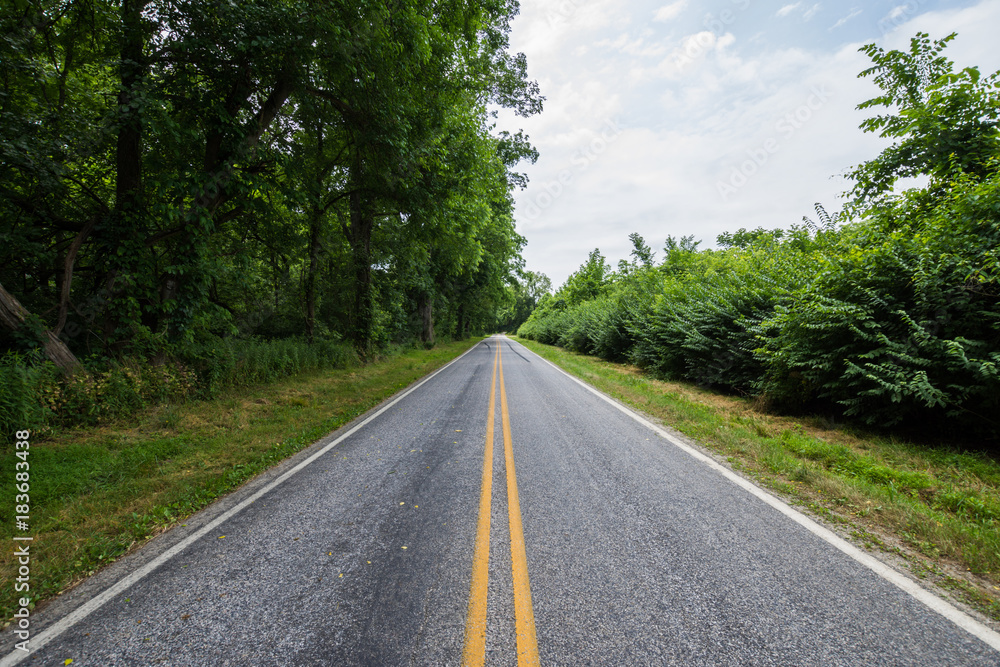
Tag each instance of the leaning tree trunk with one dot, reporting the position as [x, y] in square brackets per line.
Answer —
[14, 316]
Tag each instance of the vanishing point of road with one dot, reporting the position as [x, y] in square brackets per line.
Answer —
[501, 513]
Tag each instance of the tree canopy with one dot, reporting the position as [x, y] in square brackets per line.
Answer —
[171, 171]
[942, 122]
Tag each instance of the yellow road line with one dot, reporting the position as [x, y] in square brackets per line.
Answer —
[524, 615]
[474, 652]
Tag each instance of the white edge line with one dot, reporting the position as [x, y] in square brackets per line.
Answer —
[98, 601]
[932, 601]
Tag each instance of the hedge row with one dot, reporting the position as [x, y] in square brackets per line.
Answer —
[892, 319]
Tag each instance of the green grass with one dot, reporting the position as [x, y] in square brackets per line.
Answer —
[938, 507]
[96, 492]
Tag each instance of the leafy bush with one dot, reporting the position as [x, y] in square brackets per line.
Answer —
[904, 323]
[705, 327]
[22, 378]
[110, 390]
[888, 320]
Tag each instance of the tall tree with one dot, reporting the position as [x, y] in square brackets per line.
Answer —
[179, 170]
[423, 71]
[943, 122]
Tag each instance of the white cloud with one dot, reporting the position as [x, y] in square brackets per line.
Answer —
[899, 11]
[634, 47]
[671, 11]
[853, 14]
[788, 9]
[686, 58]
[807, 14]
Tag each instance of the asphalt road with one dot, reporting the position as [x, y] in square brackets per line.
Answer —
[361, 551]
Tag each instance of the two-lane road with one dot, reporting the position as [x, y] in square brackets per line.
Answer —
[501, 511]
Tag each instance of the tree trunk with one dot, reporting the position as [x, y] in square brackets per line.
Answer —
[362, 223]
[460, 325]
[121, 232]
[314, 232]
[128, 154]
[214, 192]
[13, 316]
[67, 278]
[425, 307]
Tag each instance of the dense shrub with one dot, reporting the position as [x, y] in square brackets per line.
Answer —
[891, 319]
[903, 324]
[113, 390]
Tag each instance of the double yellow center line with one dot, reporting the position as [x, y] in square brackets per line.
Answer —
[474, 652]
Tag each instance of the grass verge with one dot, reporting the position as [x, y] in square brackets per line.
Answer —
[937, 508]
[96, 492]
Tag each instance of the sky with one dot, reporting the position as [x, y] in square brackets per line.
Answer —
[694, 118]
